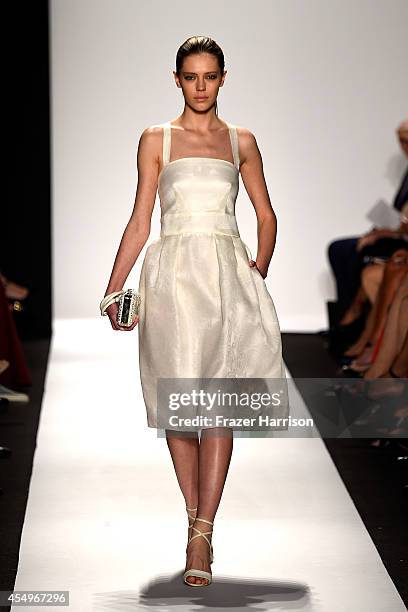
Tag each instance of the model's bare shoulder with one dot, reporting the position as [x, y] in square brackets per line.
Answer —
[152, 135]
[247, 143]
[150, 144]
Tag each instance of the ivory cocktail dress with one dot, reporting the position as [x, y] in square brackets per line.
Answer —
[204, 311]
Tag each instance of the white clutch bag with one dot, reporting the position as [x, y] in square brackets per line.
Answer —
[129, 305]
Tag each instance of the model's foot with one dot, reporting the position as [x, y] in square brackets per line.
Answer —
[198, 554]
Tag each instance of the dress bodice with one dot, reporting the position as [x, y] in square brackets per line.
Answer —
[198, 193]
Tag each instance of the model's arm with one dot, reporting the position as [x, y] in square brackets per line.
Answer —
[138, 228]
[251, 169]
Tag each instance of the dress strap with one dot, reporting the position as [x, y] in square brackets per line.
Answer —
[166, 142]
[234, 143]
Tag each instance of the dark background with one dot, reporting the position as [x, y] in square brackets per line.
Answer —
[25, 235]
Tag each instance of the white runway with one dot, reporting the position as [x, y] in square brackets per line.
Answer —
[105, 518]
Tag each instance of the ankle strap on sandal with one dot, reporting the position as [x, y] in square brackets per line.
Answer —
[204, 535]
[204, 520]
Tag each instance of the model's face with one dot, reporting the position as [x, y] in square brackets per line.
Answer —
[200, 77]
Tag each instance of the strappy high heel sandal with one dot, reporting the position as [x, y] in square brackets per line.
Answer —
[197, 573]
[192, 519]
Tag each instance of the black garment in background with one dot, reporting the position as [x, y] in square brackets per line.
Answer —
[383, 247]
[346, 265]
[25, 234]
[402, 194]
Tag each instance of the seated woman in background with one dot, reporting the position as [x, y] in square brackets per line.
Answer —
[372, 247]
[346, 254]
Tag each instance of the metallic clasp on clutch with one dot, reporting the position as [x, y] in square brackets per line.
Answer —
[129, 303]
[128, 307]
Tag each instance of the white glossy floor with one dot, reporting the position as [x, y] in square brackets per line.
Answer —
[106, 521]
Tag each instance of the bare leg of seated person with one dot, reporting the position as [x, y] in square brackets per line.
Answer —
[355, 309]
[393, 276]
[371, 279]
[390, 357]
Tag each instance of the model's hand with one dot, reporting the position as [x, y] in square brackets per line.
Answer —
[112, 312]
[263, 273]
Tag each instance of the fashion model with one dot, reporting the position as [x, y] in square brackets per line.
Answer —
[205, 309]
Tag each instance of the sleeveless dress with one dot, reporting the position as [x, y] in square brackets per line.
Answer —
[204, 311]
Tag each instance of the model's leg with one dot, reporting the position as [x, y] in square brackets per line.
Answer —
[184, 453]
[214, 460]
